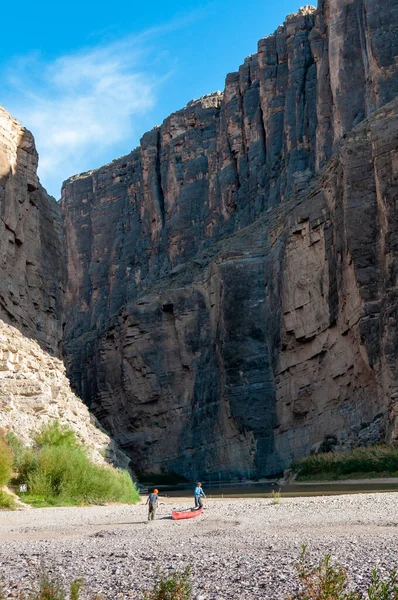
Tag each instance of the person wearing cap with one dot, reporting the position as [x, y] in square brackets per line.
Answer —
[152, 500]
[198, 493]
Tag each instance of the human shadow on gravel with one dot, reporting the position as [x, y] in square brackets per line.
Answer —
[166, 518]
[117, 523]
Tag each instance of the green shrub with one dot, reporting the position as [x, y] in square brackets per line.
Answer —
[16, 447]
[23, 458]
[58, 471]
[6, 460]
[6, 502]
[324, 581]
[49, 587]
[383, 589]
[27, 465]
[374, 459]
[65, 474]
[175, 587]
[275, 497]
[75, 588]
[328, 581]
[54, 434]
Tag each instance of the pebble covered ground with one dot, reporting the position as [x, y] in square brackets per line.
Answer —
[239, 548]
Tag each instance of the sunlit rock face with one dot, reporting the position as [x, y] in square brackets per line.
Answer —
[32, 256]
[231, 282]
[34, 393]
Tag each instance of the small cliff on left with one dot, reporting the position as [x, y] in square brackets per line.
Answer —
[32, 252]
[34, 390]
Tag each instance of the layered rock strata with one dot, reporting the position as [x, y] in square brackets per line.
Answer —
[34, 392]
[34, 389]
[32, 255]
[227, 306]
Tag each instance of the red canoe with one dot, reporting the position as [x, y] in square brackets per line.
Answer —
[186, 514]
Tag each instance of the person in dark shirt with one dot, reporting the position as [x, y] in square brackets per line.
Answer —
[152, 501]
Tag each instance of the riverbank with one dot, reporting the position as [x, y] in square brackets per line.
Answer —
[358, 481]
[264, 489]
[239, 549]
[358, 463]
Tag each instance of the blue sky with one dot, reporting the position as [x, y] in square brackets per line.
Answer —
[89, 78]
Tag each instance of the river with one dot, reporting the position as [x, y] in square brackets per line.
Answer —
[263, 489]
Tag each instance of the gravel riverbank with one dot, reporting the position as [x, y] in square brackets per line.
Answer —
[241, 549]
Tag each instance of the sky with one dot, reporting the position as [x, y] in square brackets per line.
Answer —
[90, 78]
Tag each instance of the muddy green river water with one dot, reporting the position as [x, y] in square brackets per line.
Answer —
[264, 489]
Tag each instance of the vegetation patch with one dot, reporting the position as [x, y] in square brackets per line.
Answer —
[373, 461]
[176, 586]
[6, 501]
[322, 580]
[58, 471]
[6, 462]
[329, 581]
[275, 497]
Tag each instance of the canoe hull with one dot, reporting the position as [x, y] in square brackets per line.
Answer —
[186, 514]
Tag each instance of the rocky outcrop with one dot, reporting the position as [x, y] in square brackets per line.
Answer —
[34, 389]
[231, 292]
[34, 392]
[32, 255]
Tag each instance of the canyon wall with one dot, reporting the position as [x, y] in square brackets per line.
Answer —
[32, 254]
[34, 390]
[231, 282]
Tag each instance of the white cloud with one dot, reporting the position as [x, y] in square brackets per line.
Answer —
[82, 104]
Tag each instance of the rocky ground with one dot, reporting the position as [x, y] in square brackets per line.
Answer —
[238, 549]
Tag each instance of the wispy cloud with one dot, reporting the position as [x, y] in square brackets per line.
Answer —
[80, 105]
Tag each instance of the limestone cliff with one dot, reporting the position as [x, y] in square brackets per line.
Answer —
[34, 389]
[231, 282]
[32, 255]
[34, 392]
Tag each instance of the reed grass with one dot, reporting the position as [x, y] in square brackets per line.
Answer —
[6, 462]
[59, 472]
[379, 459]
[275, 497]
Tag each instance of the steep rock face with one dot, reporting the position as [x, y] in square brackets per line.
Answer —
[227, 310]
[32, 255]
[336, 366]
[272, 339]
[35, 392]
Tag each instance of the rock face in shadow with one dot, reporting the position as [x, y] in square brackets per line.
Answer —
[231, 282]
[32, 255]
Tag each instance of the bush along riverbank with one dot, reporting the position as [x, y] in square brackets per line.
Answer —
[57, 471]
[325, 580]
[359, 463]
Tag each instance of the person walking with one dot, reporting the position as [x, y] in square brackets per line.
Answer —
[152, 501]
[198, 493]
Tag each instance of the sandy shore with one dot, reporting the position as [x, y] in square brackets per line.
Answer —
[241, 549]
